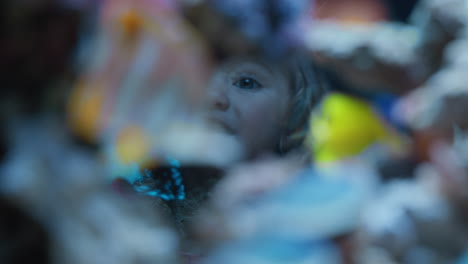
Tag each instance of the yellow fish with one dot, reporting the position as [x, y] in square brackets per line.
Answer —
[344, 127]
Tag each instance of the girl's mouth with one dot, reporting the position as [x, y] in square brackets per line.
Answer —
[220, 124]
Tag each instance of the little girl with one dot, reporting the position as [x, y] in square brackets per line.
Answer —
[261, 104]
[264, 104]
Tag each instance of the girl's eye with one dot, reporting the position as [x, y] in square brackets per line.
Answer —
[247, 83]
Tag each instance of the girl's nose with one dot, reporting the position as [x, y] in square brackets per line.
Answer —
[218, 97]
[220, 101]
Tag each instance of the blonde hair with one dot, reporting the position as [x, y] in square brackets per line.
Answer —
[308, 86]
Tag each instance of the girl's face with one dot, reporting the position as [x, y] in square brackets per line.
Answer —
[249, 100]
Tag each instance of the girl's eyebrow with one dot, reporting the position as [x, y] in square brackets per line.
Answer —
[262, 65]
[265, 65]
[253, 62]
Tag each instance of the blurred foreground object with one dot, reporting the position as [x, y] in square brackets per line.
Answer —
[144, 59]
[414, 221]
[310, 213]
[271, 29]
[350, 12]
[439, 105]
[389, 56]
[65, 189]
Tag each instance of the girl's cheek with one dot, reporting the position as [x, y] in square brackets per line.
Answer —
[257, 121]
[256, 113]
